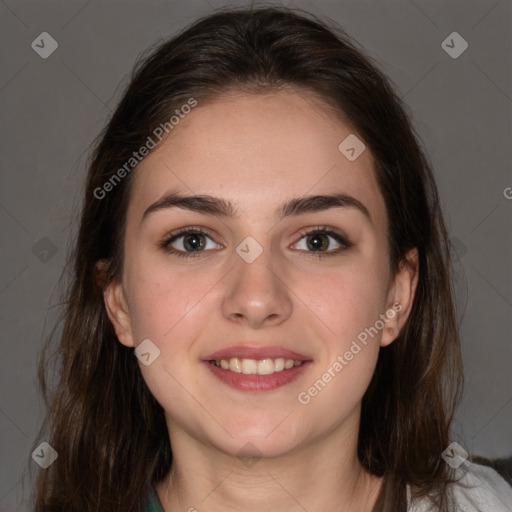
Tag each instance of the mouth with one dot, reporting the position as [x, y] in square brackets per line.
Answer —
[256, 369]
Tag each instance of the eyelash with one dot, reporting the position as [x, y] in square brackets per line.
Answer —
[324, 230]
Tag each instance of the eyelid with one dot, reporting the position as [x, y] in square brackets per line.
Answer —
[178, 233]
[324, 229]
[187, 229]
[331, 231]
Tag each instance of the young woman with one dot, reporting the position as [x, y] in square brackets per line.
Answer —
[260, 315]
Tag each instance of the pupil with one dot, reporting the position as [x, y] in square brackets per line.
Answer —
[193, 241]
[316, 242]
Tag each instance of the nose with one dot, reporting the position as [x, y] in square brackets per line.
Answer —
[256, 293]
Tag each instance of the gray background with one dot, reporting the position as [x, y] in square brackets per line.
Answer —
[51, 109]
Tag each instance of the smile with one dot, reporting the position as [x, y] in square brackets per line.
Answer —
[256, 367]
[256, 375]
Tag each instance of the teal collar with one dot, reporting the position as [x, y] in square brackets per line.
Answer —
[152, 502]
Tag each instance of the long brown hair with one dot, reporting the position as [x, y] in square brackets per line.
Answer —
[109, 431]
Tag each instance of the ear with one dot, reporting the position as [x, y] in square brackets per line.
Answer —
[401, 296]
[118, 312]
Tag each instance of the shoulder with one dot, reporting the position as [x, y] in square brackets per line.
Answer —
[479, 489]
[482, 488]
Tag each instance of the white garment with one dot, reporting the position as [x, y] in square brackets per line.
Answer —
[480, 489]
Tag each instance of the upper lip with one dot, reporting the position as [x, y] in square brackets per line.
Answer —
[252, 352]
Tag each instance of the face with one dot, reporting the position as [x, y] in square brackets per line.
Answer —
[259, 275]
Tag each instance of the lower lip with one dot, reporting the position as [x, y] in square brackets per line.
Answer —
[269, 382]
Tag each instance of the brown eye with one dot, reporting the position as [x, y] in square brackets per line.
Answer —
[189, 243]
[318, 242]
[322, 242]
[194, 241]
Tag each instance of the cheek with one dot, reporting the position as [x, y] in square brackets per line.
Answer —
[163, 302]
[352, 304]
[171, 309]
[347, 306]
[345, 301]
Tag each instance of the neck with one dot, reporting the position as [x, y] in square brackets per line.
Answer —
[324, 475]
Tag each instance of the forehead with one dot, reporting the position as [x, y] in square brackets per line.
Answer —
[256, 151]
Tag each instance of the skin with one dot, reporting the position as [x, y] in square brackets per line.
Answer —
[259, 151]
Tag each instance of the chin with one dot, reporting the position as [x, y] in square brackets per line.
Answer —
[259, 441]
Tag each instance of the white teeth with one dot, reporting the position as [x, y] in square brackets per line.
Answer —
[249, 366]
[265, 367]
[279, 364]
[256, 367]
[234, 365]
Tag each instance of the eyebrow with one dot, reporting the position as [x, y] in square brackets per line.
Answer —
[206, 204]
